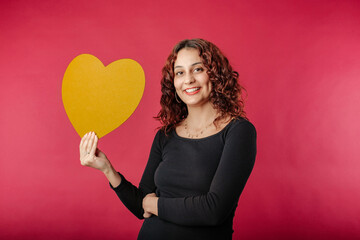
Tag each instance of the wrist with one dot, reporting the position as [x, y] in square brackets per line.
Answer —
[113, 176]
[156, 199]
[108, 169]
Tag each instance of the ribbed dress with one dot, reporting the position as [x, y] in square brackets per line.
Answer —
[198, 182]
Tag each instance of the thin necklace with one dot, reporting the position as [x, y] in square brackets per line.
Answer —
[199, 133]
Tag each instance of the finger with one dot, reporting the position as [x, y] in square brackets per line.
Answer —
[94, 145]
[86, 145]
[90, 143]
[151, 195]
[86, 140]
[85, 159]
[146, 215]
[83, 140]
[82, 146]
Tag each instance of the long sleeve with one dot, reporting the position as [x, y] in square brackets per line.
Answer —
[215, 206]
[130, 195]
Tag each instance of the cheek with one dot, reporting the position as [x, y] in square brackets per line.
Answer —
[177, 84]
[207, 82]
[209, 86]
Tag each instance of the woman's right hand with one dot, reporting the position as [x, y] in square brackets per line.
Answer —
[90, 155]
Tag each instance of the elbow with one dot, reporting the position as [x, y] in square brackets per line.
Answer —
[215, 219]
[216, 211]
[138, 214]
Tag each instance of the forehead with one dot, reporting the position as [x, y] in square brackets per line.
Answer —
[187, 56]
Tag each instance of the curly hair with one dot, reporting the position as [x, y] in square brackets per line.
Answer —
[226, 95]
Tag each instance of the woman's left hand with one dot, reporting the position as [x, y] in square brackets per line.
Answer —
[150, 205]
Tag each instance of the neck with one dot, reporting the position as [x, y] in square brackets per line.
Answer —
[198, 116]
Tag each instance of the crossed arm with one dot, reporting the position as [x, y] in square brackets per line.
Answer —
[208, 209]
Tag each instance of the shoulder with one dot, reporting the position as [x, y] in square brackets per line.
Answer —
[161, 138]
[241, 124]
[240, 128]
[240, 138]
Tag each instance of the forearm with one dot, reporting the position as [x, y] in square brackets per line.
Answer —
[132, 196]
[202, 210]
[209, 209]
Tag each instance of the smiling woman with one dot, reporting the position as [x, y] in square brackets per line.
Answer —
[194, 62]
[200, 159]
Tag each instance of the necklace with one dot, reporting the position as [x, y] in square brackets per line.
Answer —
[198, 133]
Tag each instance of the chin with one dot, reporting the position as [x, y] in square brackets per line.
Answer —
[196, 103]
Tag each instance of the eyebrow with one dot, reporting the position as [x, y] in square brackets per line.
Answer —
[191, 64]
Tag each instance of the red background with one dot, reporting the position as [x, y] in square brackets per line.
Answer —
[299, 61]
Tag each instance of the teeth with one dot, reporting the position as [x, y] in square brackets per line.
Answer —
[192, 90]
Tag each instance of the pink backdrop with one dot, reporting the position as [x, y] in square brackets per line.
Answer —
[299, 61]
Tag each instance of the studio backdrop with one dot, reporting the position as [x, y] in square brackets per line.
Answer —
[298, 60]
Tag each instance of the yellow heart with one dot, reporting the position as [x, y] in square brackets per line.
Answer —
[98, 98]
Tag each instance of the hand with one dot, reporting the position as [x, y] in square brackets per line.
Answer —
[90, 155]
[150, 205]
[147, 214]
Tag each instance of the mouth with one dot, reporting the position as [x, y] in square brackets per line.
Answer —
[192, 91]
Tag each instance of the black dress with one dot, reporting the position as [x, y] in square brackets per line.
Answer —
[198, 182]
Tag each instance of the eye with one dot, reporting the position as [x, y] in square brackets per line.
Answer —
[198, 69]
[178, 73]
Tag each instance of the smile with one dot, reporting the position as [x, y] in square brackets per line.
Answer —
[191, 91]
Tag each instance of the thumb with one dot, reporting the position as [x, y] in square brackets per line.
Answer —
[146, 215]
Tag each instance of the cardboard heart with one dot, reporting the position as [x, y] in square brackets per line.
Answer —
[98, 98]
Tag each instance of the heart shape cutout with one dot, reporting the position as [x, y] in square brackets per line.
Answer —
[98, 98]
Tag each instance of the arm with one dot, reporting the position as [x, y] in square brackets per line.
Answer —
[131, 196]
[234, 168]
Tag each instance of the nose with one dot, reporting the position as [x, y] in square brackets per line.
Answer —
[189, 79]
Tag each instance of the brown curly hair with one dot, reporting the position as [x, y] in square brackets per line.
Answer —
[226, 94]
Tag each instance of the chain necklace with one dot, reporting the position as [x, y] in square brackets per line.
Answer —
[199, 133]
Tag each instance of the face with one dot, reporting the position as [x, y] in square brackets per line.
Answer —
[191, 80]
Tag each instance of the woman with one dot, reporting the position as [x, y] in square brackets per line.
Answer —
[200, 159]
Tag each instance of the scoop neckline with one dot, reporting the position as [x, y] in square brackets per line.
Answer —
[204, 138]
